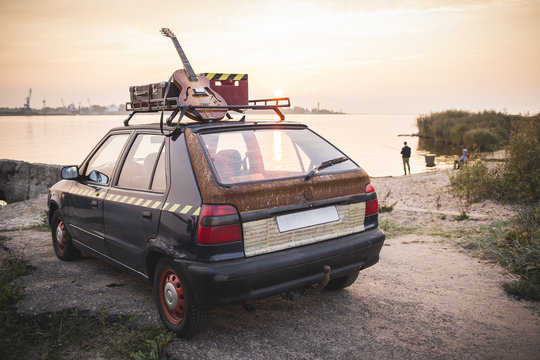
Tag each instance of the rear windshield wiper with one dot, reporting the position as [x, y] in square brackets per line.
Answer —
[324, 165]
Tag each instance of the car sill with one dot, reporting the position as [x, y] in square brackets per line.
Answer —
[88, 232]
[110, 259]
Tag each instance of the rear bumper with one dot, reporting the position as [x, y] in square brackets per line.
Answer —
[235, 281]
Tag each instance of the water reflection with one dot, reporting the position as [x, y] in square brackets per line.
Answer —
[429, 146]
[276, 146]
[372, 141]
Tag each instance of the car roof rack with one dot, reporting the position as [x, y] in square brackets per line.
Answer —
[174, 104]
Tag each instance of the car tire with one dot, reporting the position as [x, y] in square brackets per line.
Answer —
[62, 243]
[343, 282]
[175, 302]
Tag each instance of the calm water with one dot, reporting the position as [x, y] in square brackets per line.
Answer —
[371, 140]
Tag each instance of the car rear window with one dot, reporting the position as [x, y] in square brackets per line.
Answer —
[268, 154]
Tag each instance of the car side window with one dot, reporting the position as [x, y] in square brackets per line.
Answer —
[159, 182]
[104, 159]
[138, 168]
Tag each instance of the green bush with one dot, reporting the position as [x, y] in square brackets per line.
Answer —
[522, 172]
[516, 181]
[516, 246]
[482, 139]
[472, 183]
[487, 130]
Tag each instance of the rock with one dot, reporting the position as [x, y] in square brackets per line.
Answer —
[21, 180]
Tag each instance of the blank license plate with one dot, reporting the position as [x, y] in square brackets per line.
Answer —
[307, 218]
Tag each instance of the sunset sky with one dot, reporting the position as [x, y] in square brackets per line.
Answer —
[359, 56]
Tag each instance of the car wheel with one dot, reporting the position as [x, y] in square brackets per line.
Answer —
[62, 244]
[175, 302]
[343, 282]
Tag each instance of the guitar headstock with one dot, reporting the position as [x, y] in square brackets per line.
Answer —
[167, 33]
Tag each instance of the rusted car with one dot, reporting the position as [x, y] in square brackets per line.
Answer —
[218, 213]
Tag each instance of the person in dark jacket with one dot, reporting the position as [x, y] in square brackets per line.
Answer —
[406, 154]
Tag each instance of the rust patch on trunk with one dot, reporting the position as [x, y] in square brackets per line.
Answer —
[266, 195]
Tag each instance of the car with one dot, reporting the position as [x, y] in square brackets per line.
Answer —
[216, 213]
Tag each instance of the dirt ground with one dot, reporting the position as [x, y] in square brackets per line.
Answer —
[425, 299]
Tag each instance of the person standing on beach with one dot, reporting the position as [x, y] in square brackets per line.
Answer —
[406, 154]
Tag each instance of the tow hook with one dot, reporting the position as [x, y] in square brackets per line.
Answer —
[293, 295]
[326, 279]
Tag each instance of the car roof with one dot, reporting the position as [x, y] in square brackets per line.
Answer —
[215, 126]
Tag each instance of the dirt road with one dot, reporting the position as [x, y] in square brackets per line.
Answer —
[425, 299]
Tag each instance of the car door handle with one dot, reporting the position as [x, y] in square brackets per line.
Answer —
[147, 214]
[94, 203]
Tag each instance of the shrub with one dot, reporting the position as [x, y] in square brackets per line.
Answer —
[384, 206]
[489, 130]
[471, 184]
[482, 139]
[522, 173]
[516, 246]
[518, 180]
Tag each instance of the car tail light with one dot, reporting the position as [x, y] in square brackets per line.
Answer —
[372, 204]
[218, 224]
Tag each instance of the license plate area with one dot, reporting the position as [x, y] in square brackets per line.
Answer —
[307, 218]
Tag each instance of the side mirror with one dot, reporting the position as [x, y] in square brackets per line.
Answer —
[98, 177]
[70, 172]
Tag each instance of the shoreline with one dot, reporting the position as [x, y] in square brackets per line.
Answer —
[423, 200]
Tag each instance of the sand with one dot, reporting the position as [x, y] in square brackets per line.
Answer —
[423, 200]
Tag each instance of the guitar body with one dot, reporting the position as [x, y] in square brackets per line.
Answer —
[197, 92]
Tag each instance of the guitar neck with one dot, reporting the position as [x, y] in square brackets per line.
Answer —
[189, 70]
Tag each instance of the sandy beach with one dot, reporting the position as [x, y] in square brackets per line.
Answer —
[423, 200]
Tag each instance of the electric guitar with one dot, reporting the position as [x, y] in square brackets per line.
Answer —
[194, 89]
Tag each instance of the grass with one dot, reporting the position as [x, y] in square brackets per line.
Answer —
[481, 131]
[42, 226]
[454, 233]
[462, 216]
[392, 228]
[68, 334]
[515, 244]
[384, 206]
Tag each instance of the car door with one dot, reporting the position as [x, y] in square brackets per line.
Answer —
[88, 193]
[133, 205]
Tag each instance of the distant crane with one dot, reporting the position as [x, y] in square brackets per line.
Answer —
[62, 101]
[27, 100]
[89, 104]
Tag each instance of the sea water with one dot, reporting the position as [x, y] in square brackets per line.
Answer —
[373, 141]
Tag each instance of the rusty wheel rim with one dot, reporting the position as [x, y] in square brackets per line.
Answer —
[171, 296]
[60, 236]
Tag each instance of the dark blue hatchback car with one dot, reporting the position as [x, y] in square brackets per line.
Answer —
[218, 213]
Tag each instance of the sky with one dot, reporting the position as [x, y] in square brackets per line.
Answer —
[385, 57]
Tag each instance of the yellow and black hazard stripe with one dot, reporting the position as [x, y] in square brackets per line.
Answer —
[89, 193]
[142, 202]
[223, 77]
